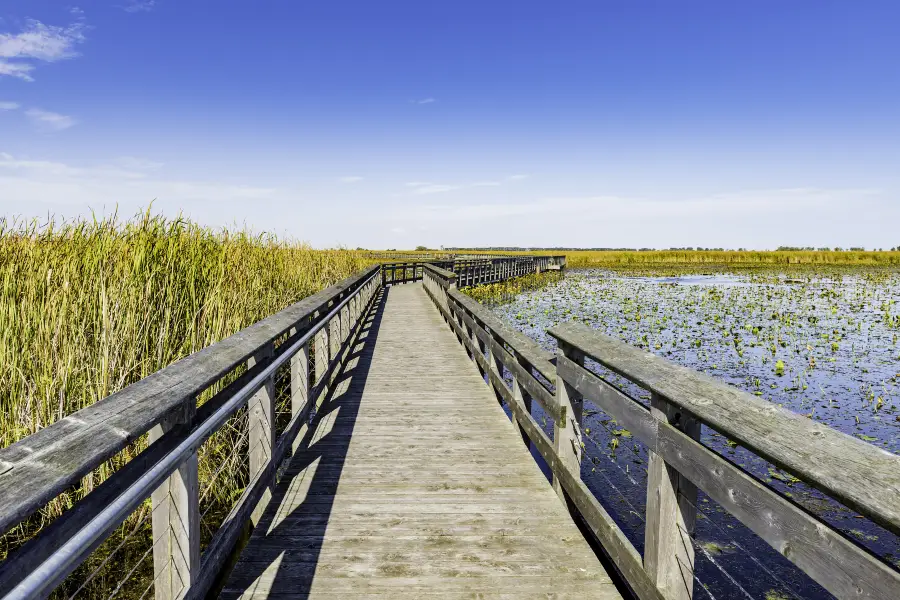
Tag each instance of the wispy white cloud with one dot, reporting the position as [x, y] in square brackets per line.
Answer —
[426, 187]
[38, 42]
[425, 101]
[351, 179]
[17, 70]
[9, 105]
[34, 182]
[431, 188]
[138, 164]
[136, 6]
[49, 121]
[52, 170]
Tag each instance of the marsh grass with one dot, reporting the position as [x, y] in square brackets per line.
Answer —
[748, 258]
[91, 306]
[497, 293]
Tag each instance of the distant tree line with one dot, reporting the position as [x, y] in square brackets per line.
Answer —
[685, 249]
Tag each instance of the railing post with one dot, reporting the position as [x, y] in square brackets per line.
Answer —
[468, 333]
[321, 346]
[261, 414]
[521, 396]
[334, 333]
[671, 513]
[299, 382]
[175, 518]
[482, 348]
[567, 434]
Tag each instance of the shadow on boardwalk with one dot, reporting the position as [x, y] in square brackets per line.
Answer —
[293, 526]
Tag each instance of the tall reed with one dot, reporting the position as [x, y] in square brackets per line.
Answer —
[90, 306]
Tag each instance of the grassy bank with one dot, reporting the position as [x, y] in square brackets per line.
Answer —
[89, 307]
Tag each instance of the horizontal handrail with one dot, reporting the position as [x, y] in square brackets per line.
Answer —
[860, 475]
[38, 468]
[444, 277]
[849, 470]
[473, 271]
[522, 355]
[524, 346]
[72, 551]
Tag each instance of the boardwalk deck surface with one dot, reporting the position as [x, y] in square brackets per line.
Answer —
[412, 483]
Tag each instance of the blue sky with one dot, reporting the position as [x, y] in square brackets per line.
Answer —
[394, 123]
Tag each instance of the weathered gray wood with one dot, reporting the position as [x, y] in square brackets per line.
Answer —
[615, 543]
[523, 398]
[20, 563]
[300, 382]
[858, 474]
[261, 429]
[838, 564]
[626, 411]
[175, 518]
[517, 366]
[225, 538]
[39, 467]
[334, 335]
[671, 513]
[396, 492]
[567, 431]
[526, 348]
[322, 347]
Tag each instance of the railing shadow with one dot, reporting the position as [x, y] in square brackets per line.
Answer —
[283, 563]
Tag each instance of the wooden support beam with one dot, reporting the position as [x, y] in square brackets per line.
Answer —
[176, 517]
[322, 348]
[300, 385]
[567, 432]
[522, 397]
[261, 415]
[671, 512]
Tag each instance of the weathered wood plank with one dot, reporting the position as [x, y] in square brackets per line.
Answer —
[671, 513]
[385, 494]
[628, 413]
[839, 564]
[261, 428]
[175, 518]
[522, 374]
[525, 347]
[620, 550]
[860, 475]
[567, 431]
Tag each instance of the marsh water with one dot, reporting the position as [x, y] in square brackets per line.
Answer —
[822, 346]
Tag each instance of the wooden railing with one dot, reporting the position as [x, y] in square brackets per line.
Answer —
[473, 271]
[855, 473]
[309, 339]
[38, 468]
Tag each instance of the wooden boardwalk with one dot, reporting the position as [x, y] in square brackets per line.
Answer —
[412, 482]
